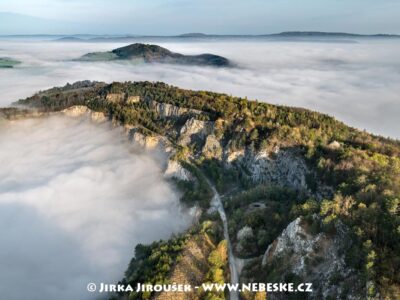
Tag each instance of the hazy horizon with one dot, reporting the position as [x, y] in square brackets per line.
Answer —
[168, 17]
[125, 34]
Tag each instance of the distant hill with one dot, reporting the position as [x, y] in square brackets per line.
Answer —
[194, 34]
[292, 34]
[327, 34]
[301, 35]
[156, 54]
[69, 39]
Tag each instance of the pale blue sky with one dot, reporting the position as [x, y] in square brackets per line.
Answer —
[209, 16]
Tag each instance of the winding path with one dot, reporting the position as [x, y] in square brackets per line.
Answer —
[217, 204]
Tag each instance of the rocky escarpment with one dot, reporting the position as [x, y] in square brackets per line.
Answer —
[280, 166]
[148, 142]
[212, 147]
[80, 110]
[165, 110]
[285, 167]
[154, 142]
[194, 132]
[196, 129]
[175, 170]
[315, 258]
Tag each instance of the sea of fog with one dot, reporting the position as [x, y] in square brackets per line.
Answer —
[75, 199]
[357, 81]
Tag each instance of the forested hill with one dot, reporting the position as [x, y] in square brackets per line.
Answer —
[287, 124]
[348, 178]
[155, 54]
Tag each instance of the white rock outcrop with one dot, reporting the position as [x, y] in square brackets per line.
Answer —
[296, 240]
[98, 117]
[312, 257]
[282, 167]
[81, 110]
[76, 111]
[212, 147]
[165, 110]
[147, 142]
[194, 127]
[175, 170]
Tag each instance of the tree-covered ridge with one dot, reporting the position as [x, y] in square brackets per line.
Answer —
[148, 53]
[363, 170]
[251, 119]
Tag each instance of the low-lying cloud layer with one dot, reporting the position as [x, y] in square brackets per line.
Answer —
[75, 198]
[356, 81]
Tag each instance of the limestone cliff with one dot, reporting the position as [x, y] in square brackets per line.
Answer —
[80, 110]
[165, 110]
[175, 170]
[284, 167]
[194, 130]
[315, 258]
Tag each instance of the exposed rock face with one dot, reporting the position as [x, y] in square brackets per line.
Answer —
[284, 168]
[313, 258]
[175, 170]
[98, 117]
[295, 238]
[166, 110]
[194, 129]
[76, 111]
[80, 110]
[132, 99]
[147, 142]
[115, 97]
[212, 147]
